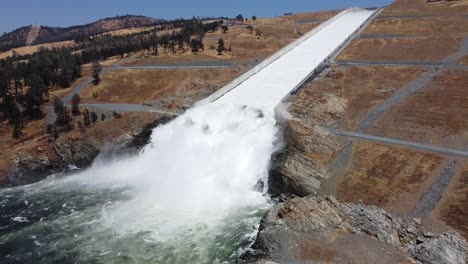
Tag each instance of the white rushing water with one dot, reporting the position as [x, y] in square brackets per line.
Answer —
[193, 195]
[199, 168]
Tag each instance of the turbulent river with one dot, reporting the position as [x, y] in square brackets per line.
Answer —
[195, 194]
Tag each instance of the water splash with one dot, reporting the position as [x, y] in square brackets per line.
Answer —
[200, 167]
[193, 195]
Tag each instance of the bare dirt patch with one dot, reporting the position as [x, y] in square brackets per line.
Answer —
[348, 94]
[381, 175]
[404, 49]
[32, 35]
[438, 114]
[454, 211]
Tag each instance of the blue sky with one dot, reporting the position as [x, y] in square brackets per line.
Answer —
[17, 13]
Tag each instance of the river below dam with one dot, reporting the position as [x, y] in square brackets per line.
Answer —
[195, 194]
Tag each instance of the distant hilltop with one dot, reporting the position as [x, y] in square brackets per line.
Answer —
[44, 34]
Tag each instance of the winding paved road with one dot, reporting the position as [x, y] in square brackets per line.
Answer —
[423, 64]
[376, 113]
[182, 65]
[124, 107]
[408, 144]
[51, 116]
[385, 36]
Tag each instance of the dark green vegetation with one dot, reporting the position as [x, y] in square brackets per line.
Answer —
[24, 82]
[23, 85]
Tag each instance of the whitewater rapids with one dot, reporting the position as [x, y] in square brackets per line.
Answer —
[195, 194]
[199, 168]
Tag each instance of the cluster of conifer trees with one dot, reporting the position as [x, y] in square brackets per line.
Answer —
[24, 82]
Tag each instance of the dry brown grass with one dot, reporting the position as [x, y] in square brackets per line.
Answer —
[436, 115]
[437, 36]
[357, 89]
[276, 33]
[464, 61]
[32, 49]
[420, 7]
[438, 26]
[127, 31]
[454, 211]
[413, 49]
[31, 130]
[321, 15]
[382, 175]
[139, 86]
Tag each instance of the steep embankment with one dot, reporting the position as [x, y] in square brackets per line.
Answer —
[33, 159]
[392, 93]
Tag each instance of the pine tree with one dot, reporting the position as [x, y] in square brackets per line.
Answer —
[76, 104]
[240, 18]
[221, 46]
[33, 99]
[86, 118]
[96, 72]
[94, 117]
[63, 118]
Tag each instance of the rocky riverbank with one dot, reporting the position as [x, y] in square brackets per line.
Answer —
[323, 230]
[42, 156]
[314, 227]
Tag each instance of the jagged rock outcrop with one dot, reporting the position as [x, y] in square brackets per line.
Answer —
[48, 156]
[449, 247]
[301, 166]
[317, 230]
[32, 166]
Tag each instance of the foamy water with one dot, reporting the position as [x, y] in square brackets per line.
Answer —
[195, 194]
[201, 167]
